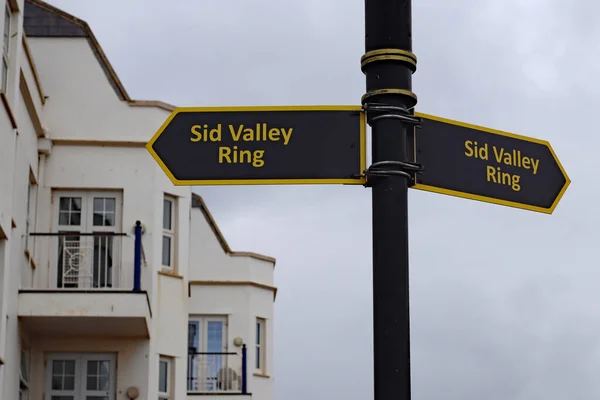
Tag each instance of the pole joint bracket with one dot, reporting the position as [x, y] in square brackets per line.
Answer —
[387, 111]
[386, 169]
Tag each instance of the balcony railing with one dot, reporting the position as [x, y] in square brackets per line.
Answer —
[98, 260]
[217, 372]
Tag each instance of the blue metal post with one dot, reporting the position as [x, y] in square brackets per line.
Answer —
[244, 368]
[137, 258]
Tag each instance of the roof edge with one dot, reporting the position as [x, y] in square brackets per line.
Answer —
[92, 40]
[97, 48]
[152, 103]
[198, 202]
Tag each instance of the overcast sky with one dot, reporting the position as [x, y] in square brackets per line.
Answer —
[505, 302]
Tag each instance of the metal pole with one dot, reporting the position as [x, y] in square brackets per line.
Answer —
[244, 370]
[137, 258]
[388, 64]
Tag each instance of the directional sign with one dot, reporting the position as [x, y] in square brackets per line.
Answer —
[488, 165]
[262, 145]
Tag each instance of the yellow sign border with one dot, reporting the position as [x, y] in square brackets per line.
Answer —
[215, 182]
[493, 200]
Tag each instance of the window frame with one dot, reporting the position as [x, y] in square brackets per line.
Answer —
[6, 29]
[260, 344]
[168, 395]
[86, 225]
[170, 233]
[81, 372]
[32, 191]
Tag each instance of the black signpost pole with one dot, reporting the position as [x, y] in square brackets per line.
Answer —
[388, 64]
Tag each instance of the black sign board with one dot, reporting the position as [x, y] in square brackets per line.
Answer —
[488, 165]
[262, 145]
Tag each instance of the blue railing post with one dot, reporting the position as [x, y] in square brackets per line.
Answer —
[244, 368]
[137, 258]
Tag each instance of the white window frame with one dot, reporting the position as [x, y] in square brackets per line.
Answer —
[31, 208]
[168, 395]
[81, 372]
[87, 226]
[202, 324]
[260, 342]
[169, 232]
[6, 46]
[201, 344]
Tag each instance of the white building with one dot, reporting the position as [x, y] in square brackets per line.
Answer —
[74, 179]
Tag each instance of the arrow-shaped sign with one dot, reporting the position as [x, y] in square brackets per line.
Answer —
[488, 165]
[262, 145]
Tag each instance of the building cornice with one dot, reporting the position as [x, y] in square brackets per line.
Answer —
[234, 283]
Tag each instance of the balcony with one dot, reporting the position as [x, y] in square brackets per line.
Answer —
[90, 287]
[217, 373]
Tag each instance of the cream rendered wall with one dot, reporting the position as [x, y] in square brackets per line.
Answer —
[171, 301]
[26, 163]
[261, 306]
[18, 153]
[7, 160]
[215, 264]
[170, 336]
[242, 304]
[132, 362]
[25, 158]
[83, 106]
[93, 167]
[27, 69]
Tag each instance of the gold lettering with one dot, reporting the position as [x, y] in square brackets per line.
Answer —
[286, 135]
[474, 150]
[236, 135]
[202, 133]
[469, 148]
[224, 155]
[496, 175]
[535, 164]
[274, 134]
[232, 155]
[260, 134]
[215, 134]
[197, 133]
[491, 174]
[257, 158]
[250, 135]
[498, 154]
[515, 183]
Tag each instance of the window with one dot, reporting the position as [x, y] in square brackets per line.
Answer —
[5, 48]
[30, 219]
[165, 375]
[168, 237]
[207, 358]
[81, 376]
[92, 260]
[261, 344]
